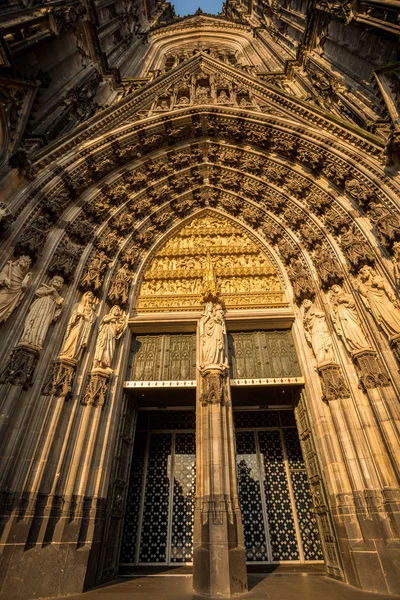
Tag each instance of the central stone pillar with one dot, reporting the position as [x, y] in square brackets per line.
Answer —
[219, 558]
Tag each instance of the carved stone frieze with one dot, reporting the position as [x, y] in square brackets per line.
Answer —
[358, 191]
[80, 230]
[96, 389]
[108, 243]
[327, 267]
[65, 259]
[61, 378]
[334, 386]
[370, 370]
[386, 223]
[20, 366]
[311, 158]
[335, 221]
[119, 289]
[213, 387]
[335, 172]
[33, 237]
[94, 274]
[355, 247]
[301, 282]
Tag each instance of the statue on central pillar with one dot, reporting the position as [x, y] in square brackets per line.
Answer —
[219, 557]
[212, 336]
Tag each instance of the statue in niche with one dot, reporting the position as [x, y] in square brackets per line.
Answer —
[346, 320]
[380, 300]
[111, 328]
[43, 311]
[212, 336]
[162, 106]
[120, 286]
[14, 280]
[317, 333]
[223, 98]
[202, 95]
[78, 328]
[183, 101]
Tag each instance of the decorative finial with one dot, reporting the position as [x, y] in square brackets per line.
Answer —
[211, 288]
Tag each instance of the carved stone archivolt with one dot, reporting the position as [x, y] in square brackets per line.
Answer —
[174, 280]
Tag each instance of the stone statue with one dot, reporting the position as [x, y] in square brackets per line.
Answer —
[120, 286]
[212, 336]
[111, 328]
[43, 311]
[380, 300]
[94, 275]
[78, 328]
[14, 280]
[346, 320]
[396, 264]
[317, 333]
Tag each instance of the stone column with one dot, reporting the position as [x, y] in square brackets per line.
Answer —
[219, 558]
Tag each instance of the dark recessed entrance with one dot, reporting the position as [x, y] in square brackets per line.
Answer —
[278, 519]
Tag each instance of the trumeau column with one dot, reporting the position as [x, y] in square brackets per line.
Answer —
[219, 559]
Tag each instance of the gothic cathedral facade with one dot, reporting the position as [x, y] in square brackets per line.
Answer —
[199, 292]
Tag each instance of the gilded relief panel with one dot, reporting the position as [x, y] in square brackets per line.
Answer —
[176, 278]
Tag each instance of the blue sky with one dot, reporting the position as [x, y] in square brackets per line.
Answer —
[188, 7]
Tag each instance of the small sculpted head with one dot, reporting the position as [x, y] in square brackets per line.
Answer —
[24, 262]
[365, 273]
[307, 304]
[88, 298]
[336, 289]
[57, 282]
[115, 311]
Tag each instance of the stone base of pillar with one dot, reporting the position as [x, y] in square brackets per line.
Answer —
[20, 366]
[219, 562]
[96, 389]
[219, 556]
[61, 378]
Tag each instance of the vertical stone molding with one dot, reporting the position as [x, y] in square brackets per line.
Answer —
[219, 561]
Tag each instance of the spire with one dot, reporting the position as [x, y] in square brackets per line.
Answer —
[210, 284]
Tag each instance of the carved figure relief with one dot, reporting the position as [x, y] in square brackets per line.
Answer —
[78, 328]
[380, 300]
[93, 277]
[119, 289]
[346, 320]
[111, 328]
[14, 280]
[174, 280]
[317, 333]
[44, 310]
